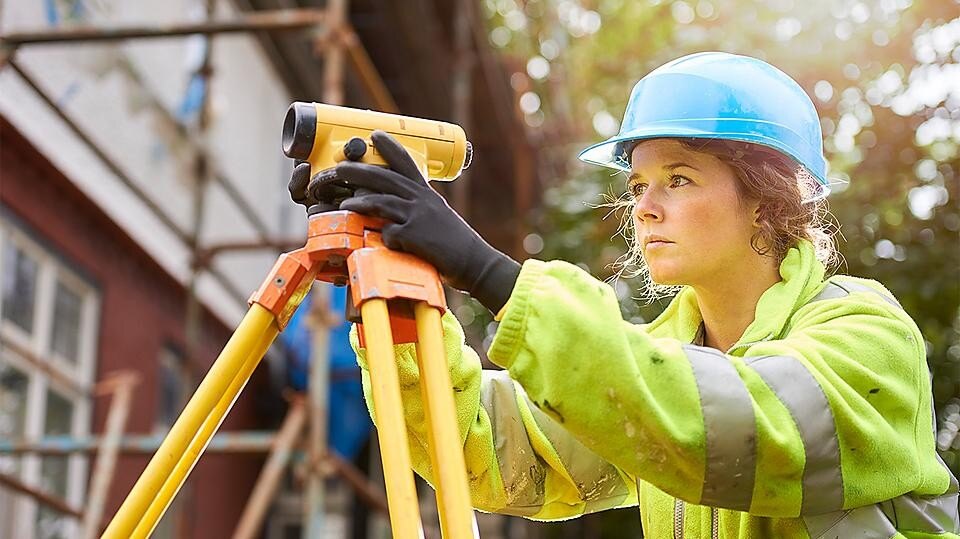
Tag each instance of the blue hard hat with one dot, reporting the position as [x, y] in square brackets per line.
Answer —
[718, 95]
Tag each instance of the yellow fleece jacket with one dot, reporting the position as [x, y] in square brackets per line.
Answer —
[817, 423]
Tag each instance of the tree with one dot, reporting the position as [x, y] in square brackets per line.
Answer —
[883, 75]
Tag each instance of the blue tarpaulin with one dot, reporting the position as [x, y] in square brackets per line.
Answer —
[349, 423]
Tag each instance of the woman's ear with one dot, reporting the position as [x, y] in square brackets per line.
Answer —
[753, 209]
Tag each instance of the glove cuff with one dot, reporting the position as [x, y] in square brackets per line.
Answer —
[495, 281]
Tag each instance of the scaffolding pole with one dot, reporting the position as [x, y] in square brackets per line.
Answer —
[120, 386]
[257, 21]
[338, 44]
[193, 315]
[125, 179]
[367, 72]
[277, 20]
[461, 88]
[334, 41]
[331, 44]
[236, 442]
[264, 491]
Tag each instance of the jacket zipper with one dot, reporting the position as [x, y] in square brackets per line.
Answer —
[678, 511]
[746, 344]
[714, 523]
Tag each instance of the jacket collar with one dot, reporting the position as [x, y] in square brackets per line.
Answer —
[801, 277]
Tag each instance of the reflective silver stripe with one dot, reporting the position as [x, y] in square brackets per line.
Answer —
[857, 287]
[598, 482]
[799, 391]
[730, 427]
[867, 522]
[915, 513]
[904, 513]
[830, 291]
[834, 290]
[523, 475]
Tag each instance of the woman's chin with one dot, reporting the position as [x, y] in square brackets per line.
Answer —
[665, 276]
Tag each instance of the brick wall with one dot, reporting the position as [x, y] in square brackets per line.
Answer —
[142, 310]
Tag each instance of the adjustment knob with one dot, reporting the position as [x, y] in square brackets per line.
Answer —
[355, 149]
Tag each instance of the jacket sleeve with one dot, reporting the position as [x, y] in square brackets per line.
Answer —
[834, 414]
[519, 461]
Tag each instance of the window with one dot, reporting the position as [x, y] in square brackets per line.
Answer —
[66, 322]
[48, 318]
[175, 389]
[54, 470]
[13, 418]
[19, 287]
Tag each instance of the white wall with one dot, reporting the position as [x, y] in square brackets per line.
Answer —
[123, 94]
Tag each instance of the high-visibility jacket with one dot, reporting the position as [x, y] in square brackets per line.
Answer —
[817, 423]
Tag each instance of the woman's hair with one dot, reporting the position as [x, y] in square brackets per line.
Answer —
[789, 210]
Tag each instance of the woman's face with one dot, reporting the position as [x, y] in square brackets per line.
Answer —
[691, 223]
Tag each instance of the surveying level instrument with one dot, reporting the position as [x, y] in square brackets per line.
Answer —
[399, 299]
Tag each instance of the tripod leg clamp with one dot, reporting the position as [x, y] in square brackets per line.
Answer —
[286, 285]
[400, 278]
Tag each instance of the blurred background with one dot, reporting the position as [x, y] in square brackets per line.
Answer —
[143, 198]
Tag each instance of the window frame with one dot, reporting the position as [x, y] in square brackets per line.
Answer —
[32, 353]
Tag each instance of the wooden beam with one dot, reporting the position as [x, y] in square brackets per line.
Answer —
[260, 21]
[49, 500]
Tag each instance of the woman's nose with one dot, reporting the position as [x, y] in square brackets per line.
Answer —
[648, 209]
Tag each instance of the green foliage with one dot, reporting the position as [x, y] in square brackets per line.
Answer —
[882, 74]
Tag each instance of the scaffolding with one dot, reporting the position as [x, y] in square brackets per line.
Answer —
[335, 40]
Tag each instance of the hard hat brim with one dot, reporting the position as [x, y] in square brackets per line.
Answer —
[612, 153]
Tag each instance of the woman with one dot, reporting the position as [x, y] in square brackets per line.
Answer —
[766, 401]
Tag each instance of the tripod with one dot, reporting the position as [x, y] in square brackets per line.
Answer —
[400, 299]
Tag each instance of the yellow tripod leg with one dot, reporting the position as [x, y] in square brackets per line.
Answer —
[446, 450]
[248, 335]
[391, 426]
[199, 443]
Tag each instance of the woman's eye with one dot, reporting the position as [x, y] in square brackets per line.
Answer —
[678, 181]
[638, 189]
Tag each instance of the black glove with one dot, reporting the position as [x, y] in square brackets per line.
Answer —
[298, 184]
[323, 192]
[424, 225]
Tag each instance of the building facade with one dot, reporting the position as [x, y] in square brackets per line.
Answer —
[105, 215]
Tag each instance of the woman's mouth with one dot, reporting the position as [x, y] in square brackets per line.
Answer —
[656, 245]
[654, 242]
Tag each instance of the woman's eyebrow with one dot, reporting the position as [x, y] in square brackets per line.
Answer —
[669, 168]
[679, 164]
